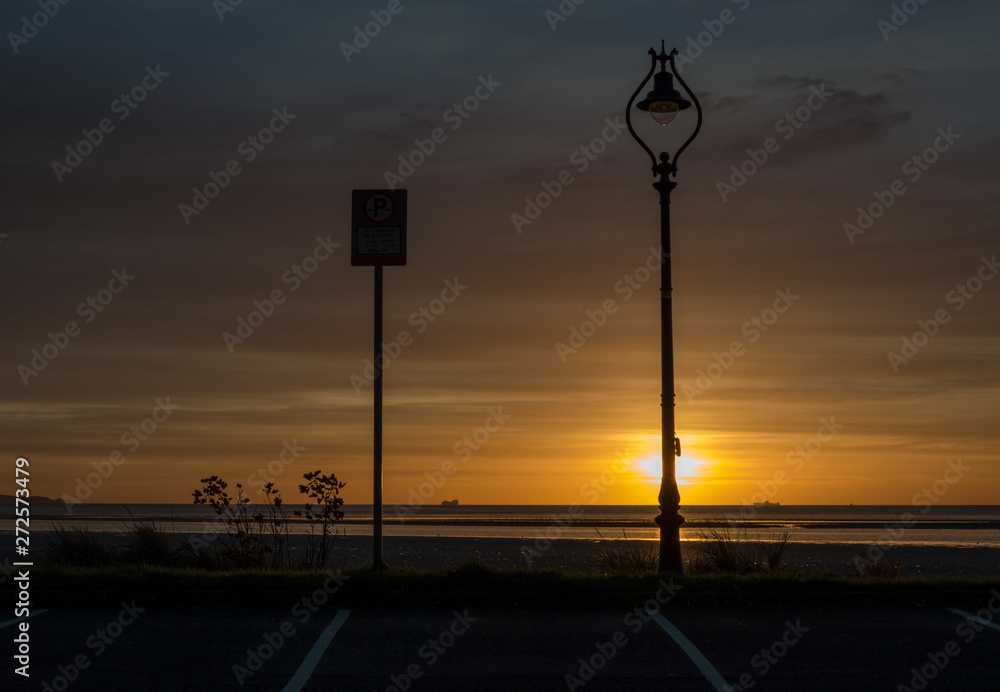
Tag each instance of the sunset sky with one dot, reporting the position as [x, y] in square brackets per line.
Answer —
[862, 110]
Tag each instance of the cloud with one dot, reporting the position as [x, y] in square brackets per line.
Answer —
[845, 119]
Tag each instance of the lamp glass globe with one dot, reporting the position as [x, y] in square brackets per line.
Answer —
[663, 111]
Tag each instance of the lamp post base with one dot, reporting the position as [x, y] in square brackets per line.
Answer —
[670, 559]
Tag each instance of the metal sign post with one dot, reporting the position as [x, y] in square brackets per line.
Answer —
[378, 238]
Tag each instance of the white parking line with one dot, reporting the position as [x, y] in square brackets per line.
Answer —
[707, 669]
[970, 616]
[305, 670]
[33, 614]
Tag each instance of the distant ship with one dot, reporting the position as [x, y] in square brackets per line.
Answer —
[766, 504]
[449, 503]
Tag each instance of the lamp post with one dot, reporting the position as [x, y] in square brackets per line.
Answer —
[663, 103]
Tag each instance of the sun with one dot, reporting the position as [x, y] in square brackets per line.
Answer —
[645, 469]
[650, 468]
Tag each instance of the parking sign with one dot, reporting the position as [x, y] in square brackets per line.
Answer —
[378, 236]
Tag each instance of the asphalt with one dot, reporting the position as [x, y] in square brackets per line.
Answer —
[764, 647]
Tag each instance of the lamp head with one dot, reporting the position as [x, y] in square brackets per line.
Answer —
[663, 102]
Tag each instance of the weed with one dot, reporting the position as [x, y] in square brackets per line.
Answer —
[78, 548]
[721, 550]
[626, 556]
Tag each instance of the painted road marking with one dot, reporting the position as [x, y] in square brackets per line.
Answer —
[970, 616]
[707, 669]
[33, 614]
[305, 670]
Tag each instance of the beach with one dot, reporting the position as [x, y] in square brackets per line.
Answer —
[579, 555]
[955, 541]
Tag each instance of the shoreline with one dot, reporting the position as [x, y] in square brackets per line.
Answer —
[582, 523]
[770, 522]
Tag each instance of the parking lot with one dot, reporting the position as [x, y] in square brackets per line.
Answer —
[679, 647]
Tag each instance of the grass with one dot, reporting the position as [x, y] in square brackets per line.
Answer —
[883, 567]
[475, 584]
[719, 551]
[626, 556]
[147, 544]
[725, 551]
[729, 568]
[78, 548]
[150, 545]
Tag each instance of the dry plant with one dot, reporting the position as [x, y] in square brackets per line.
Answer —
[882, 567]
[626, 556]
[78, 548]
[722, 550]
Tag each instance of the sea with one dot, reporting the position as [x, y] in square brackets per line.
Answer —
[945, 525]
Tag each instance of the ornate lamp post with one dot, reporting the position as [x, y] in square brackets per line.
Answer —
[663, 103]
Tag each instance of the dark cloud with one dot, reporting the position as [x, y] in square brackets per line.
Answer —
[905, 75]
[815, 116]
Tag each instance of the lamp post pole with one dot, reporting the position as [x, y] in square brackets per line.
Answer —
[669, 519]
[663, 103]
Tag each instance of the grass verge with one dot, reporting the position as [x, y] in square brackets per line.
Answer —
[475, 584]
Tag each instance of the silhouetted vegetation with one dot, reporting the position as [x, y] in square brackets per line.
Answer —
[78, 548]
[145, 544]
[882, 568]
[250, 536]
[626, 556]
[257, 537]
[728, 552]
[475, 584]
[324, 515]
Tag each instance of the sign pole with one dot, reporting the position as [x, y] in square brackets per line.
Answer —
[378, 238]
[377, 494]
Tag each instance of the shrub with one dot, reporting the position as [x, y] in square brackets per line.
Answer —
[251, 540]
[325, 490]
[260, 539]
